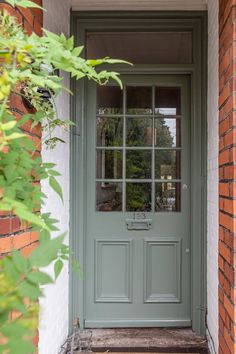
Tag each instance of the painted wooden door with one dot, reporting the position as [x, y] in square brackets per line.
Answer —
[137, 244]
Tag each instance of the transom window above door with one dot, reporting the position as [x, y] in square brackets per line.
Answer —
[138, 149]
[142, 47]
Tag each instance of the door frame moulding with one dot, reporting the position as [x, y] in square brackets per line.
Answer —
[196, 22]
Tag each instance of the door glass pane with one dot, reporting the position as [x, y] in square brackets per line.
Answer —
[138, 150]
[138, 131]
[167, 164]
[167, 196]
[109, 164]
[138, 197]
[138, 164]
[141, 47]
[109, 196]
[167, 101]
[109, 100]
[167, 132]
[139, 100]
[109, 131]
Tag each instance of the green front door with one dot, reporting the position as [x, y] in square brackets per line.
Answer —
[137, 242]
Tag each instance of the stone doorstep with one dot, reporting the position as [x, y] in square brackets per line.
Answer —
[148, 340]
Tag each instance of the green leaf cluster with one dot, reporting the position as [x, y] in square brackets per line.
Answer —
[28, 65]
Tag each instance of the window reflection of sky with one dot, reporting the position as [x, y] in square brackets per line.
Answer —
[166, 111]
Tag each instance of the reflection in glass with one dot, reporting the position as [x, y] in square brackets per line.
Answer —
[108, 196]
[167, 164]
[109, 164]
[167, 196]
[167, 132]
[138, 164]
[139, 100]
[109, 131]
[138, 131]
[109, 100]
[167, 101]
[138, 197]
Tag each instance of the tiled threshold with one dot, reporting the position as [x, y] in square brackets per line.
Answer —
[146, 340]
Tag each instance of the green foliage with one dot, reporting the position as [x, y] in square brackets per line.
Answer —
[29, 64]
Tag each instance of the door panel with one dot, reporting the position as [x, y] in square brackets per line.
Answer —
[138, 203]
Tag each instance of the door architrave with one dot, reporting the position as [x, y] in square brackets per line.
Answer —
[196, 22]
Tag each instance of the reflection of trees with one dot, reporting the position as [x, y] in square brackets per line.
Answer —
[139, 132]
[165, 160]
[138, 197]
[109, 131]
[163, 136]
[139, 162]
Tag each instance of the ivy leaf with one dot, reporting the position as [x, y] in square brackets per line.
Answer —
[10, 268]
[8, 126]
[54, 173]
[27, 289]
[14, 329]
[19, 346]
[24, 3]
[26, 215]
[39, 278]
[58, 266]
[20, 261]
[46, 252]
[14, 136]
[56, 186]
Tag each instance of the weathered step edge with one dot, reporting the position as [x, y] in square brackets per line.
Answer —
[203, 349]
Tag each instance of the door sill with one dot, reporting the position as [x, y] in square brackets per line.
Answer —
[136, 323]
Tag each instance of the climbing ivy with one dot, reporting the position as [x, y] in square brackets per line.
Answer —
[29, 68]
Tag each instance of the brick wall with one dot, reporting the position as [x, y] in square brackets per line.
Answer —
[227, 178]
[13, 234]
[212, 176]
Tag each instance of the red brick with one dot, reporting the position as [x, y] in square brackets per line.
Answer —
[15, 224]
[28, 27]
[27, 14]
[5, 244]
[34, 236]
[221, 263]
[21, 240]
[229, 341]
[224, 157]
[5, 226]
[222, 312]
[37, 27]
[225, 252]
[230, 308]
[28, 249]
[224, 189]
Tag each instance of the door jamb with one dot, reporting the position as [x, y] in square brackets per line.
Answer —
[196, 22]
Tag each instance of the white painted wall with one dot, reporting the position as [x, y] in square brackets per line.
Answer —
[212, 207]
[54, 306]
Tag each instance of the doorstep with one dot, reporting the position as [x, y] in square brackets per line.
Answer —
[146, 340]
